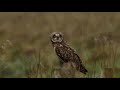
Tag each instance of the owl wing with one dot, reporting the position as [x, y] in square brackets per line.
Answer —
[68, 54]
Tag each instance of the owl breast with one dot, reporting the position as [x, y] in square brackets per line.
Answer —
[65, 53]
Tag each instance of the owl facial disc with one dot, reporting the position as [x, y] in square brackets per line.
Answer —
[56, 37]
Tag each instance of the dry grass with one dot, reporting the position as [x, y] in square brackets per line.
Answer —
[26, 50]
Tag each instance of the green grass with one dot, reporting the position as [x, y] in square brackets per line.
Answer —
[26, 50]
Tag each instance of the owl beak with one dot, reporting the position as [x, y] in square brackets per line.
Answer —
[57, 38]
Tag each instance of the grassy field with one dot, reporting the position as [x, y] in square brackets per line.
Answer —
[26, 50]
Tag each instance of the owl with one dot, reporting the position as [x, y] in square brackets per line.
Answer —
[65, 52]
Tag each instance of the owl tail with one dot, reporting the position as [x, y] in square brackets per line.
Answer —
[82, 69]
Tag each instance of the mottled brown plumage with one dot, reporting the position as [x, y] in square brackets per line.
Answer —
[65, 53]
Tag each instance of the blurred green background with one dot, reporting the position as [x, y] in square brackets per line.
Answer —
[26, 50]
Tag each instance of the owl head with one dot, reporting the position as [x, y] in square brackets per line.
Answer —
[56, 37]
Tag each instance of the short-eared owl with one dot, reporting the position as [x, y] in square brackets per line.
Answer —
[65, 53]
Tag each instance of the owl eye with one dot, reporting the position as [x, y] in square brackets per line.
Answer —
[60, 35]
[54, 36]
